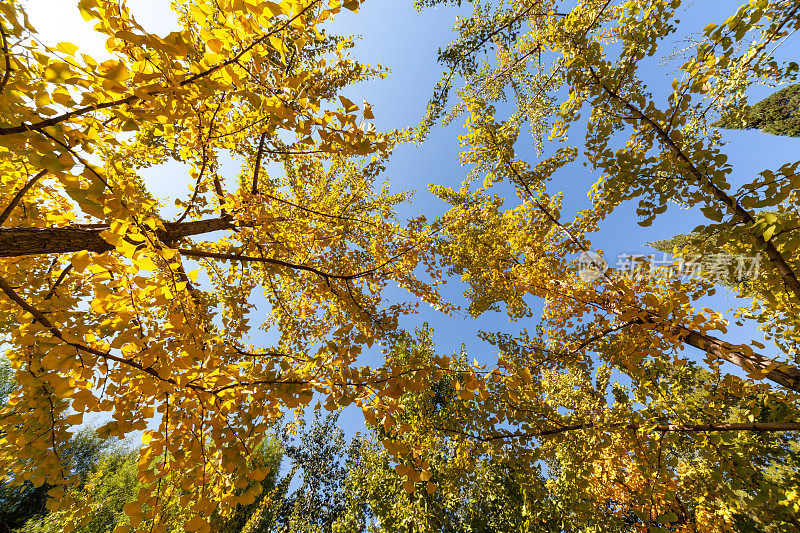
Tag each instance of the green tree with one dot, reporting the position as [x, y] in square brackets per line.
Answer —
[319, 455]
[20, 503]
[778, 114]
[111, 487]
[452, 486]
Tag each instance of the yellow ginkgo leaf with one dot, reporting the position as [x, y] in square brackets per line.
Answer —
[67, 48]
[348, 105]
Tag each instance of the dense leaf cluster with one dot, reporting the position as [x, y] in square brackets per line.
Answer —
[778, 114]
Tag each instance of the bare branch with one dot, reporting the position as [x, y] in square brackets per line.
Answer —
[58, 282]
[276, 262]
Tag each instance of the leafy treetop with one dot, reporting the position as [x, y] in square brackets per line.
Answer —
[778, 113]
[111, 307]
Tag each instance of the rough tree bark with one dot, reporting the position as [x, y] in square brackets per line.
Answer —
[17, 242]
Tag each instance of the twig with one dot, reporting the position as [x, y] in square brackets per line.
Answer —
[18, 197]
[258, 162]
[7, 72]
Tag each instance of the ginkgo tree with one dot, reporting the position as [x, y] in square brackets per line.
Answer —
[662, 154]
[111, 307]
[674, 446]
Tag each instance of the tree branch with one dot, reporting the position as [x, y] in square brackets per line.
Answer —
[783, 374]
[36, 126]
[6, 57]
[39, 317]
[18, 197]
[18, 242]
[785, 271]
[58, 282]
[277, 262]
[258, 162]
[758, 427]
[315, 212]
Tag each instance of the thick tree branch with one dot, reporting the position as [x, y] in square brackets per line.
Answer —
[757, 427]
[18, 242]
[783, 374]
[785, 271]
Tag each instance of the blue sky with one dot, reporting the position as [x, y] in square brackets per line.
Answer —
[398, 37]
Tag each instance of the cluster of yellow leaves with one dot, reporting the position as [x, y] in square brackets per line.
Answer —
[112, 309]
[562, 61]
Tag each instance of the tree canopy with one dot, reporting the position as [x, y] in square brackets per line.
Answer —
[112, 307]
[778, 113]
